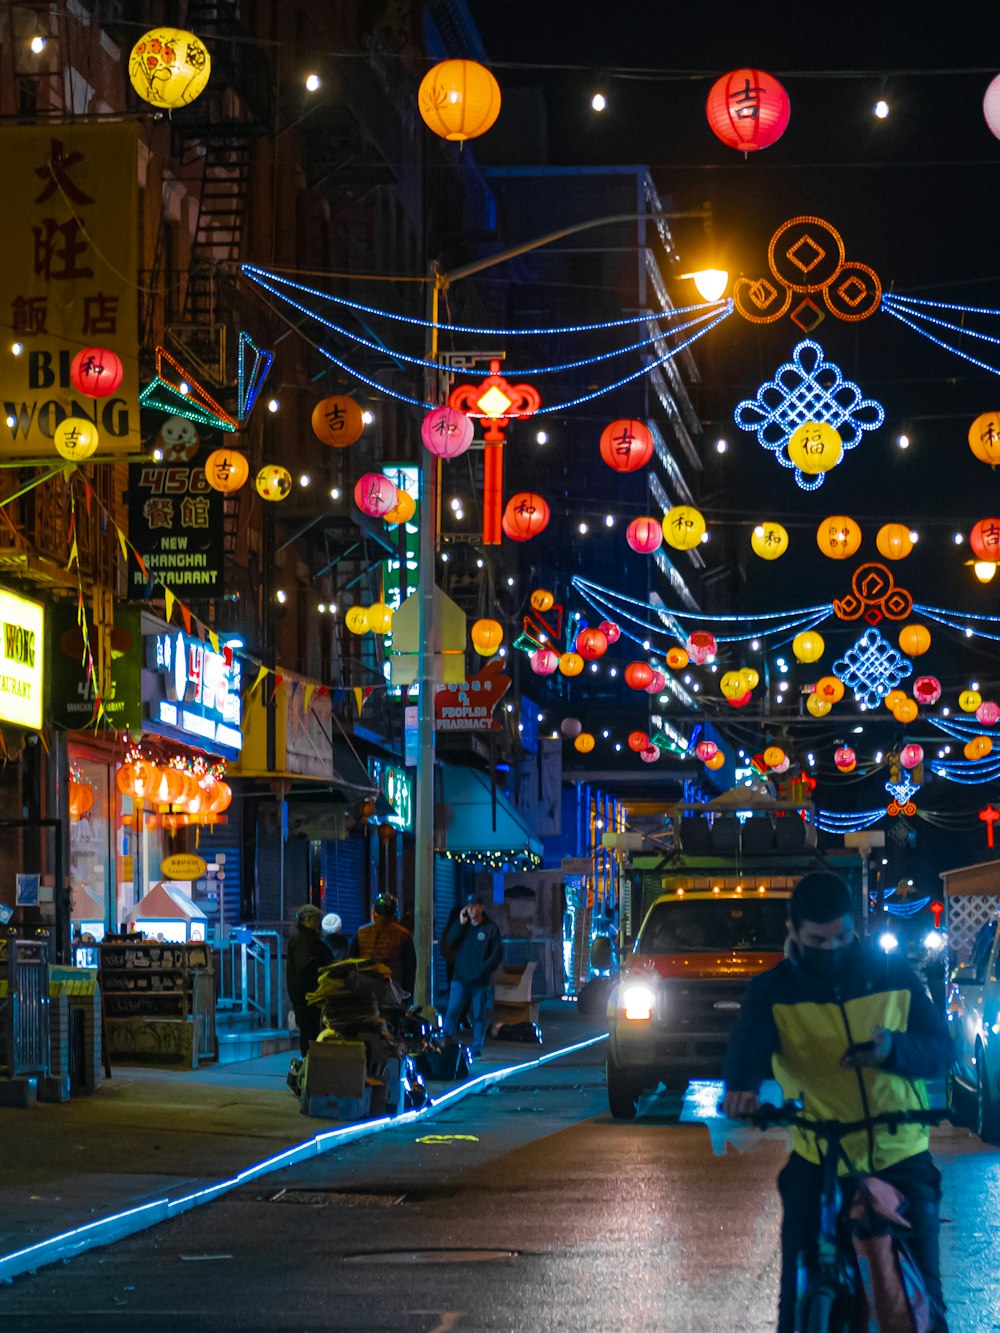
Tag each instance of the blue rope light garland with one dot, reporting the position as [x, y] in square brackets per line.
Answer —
[826, 608]
[832, 821]
[890, 309]
[940, 305]
[945, 324]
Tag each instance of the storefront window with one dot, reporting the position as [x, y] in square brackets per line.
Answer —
[91, 851]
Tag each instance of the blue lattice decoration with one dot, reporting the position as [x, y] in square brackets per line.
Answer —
[903, 791]
[796, 395]
[871, 668]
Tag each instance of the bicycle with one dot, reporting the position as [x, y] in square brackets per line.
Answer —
[829, 1291]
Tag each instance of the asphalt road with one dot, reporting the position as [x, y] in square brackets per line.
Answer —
[525, 1208]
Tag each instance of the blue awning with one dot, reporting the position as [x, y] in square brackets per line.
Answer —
[468, 821]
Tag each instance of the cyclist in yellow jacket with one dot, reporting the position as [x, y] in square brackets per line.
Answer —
[853, 1033]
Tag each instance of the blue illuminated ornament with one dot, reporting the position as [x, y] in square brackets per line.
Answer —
[903, 791]
[249, 386]
[871, 668]
[909, 309]
[807, 388]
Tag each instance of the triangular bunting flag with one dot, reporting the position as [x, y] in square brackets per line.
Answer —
[186, 617]
[261, 673]
[168, 603]
[310, 690]
[213, 639]
[122, 541]
[74, 556]
[141, 563]
[359, 698]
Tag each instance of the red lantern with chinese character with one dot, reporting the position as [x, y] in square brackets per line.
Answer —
[96, 372]
[525, 517]
[911, 755]
[591, 643]
[706, 750]
[375, 494]
[610, 630]
[644, 535]
[638, 675]
[637, 740]
[747, 109]
[626, 445]
[337, 421]
[226, 470]
[447, 432]
[985, 539]
[845, 759]
[544, 661]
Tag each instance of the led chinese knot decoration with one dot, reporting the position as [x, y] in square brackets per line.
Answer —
[683, 527]
[487, 636]
[96, 372]
[914, 640]
[985, 539]
[894, 541]
[169, 67]
[543, 661]
[446, 432]
[374, 494]
[525, 517]
[226, 470]
[638, 675]
[747, 109]
[273, 482]
[808, 646]
[769, 540]
[838, 537]
[337, 421]
[701, 646]
[76, 438]
[626, 445]
[591, 643]
[458, 100]
[637, 740]
[815, 447]
[845, 759]
[984, 438]
[911, 755]
[644, 535]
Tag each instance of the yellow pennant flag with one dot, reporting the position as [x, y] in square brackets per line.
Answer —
[309, 692]
[261, 673]
[74, 556]
[122, 542]
[213, 639]
[168, 603]
[359, 698]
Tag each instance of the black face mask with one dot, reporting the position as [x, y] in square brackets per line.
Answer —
[830, 964]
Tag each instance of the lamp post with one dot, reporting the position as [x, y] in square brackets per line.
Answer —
[437, 282]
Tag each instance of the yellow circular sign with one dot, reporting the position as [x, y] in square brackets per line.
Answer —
[183, 866]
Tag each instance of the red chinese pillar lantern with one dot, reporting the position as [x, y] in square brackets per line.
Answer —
[747, 109]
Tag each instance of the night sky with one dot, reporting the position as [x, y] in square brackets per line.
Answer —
[914, 196]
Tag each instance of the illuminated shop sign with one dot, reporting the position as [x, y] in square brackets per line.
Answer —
[396, 785]
[196, 693]
[22, 625]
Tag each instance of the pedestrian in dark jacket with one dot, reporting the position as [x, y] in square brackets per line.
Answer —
[307, 953]
[475, 943]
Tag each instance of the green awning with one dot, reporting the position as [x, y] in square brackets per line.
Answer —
[469, 821]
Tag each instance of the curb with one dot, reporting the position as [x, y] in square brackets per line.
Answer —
[130, 1221]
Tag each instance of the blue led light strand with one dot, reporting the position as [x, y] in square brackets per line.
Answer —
[947, 611]
[826, 608]
[889, 308]
[968, 631]
[961, 329]
[898, 297]
[258, 275]
[830, 821]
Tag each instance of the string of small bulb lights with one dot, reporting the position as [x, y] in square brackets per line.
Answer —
[834, 821]
[903, 311]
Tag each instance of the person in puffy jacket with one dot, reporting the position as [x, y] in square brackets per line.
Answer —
[388, 942]
[477, 949]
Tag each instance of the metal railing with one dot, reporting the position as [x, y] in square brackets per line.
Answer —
[250, 980]
[24, 1007]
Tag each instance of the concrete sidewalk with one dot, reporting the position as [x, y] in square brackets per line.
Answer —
[153, 1142]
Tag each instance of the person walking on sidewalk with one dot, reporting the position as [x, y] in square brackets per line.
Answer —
[477, 948]
[307, 953]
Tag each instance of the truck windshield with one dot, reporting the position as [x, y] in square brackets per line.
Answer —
[690, 926]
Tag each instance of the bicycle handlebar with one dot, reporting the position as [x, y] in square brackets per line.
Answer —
[791, 1114]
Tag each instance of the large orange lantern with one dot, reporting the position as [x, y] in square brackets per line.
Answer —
[226, 470]
[978, 747]
[584, 742]
[838, 537]
[984, 437]
[591, 643]
[337, 421]
[96, 371]
[626, 445]
[571, 664]
[487, 636]
[81, 798]
[459, 99]
[830, 688]
[135, 778]
[894, 541]
[526, 515]
[169, 67]
[906, 711]
[747, 109]
[220, 797]
[914, 640]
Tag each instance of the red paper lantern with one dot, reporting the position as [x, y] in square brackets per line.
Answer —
[747, 109]
[911, 755]
[740, 700]
[927, 689]
[644, 535]
[591, 643]
[544, 661]
[701, 646]
[985, 539]
[638, 675]
[446, 432]
[706, 750]
[96, 372]
[375, 494]
[610, 630]
[650, 754]
[626, 445]
[845, 759]
[526, 515]
[657, 683]
[637, 740]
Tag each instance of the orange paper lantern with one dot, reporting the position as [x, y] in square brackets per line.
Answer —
[487, 636]
[838, 537]
[337, 421]
[226, 470]
[894, 541]
[458, 100]
[914, 640]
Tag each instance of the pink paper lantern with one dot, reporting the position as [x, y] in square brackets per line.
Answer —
[650, 754]
[845, 758]
[927, 689]
[446, 432]
[991, 107]
[706, 750]
[611, 631]
[988, 712]
[783, 767]
[658, 683]
[644, 535]
[543, 661]
[701, 647]
[375, 495]
[911, 755]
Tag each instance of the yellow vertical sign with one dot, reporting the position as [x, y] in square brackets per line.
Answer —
[68, 281]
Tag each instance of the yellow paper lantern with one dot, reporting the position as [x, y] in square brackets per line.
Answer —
[487, 636]
[584, 742]
[356, 620]
[716, 761]
[403, 510]
[337, 421]
[914, 640]
[459, 99]
[571, 664]
[808, 646]
[969, 700]
[815, 447]
[379, 618]
[750, 678]
[169, 67]
[226, 470]
[894, 541]
[683, 527]
[76, 438]
[830, 688]
[818, 707]
[273, 482]
[978, 748]
[732, 685]
[542, 600]
[838, 537]
[984, 438]
[769, 540]
[894, 698]
[774, 755]
[906, 711]
[677, 658]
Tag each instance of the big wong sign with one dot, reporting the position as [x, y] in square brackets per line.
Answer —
[68, 236]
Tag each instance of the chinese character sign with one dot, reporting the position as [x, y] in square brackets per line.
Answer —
[69, 237]
[176, 524]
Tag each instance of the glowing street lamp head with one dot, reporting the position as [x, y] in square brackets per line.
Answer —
[711, 283]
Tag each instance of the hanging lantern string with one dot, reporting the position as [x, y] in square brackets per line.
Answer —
[532, 372]
[891, 309]
[263, 277]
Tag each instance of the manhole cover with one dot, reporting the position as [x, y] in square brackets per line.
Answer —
[430, 1257]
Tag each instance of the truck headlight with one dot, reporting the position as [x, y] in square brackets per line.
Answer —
[637, 1001]
[935, 940]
